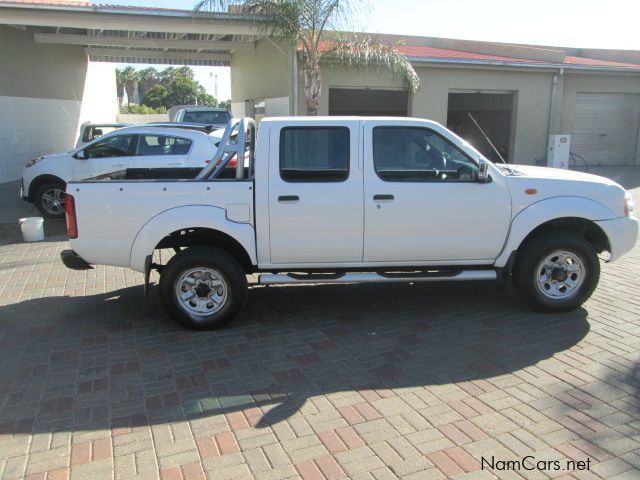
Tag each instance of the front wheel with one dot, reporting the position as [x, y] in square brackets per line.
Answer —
[203, 288]
[557, 271]
[49, 199]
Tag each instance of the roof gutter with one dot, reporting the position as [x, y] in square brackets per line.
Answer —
[540, 66]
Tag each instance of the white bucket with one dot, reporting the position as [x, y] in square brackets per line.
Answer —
[32, 229]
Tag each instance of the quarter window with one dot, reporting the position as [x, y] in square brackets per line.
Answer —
[414, 154]
[149, 145]
[314, 154]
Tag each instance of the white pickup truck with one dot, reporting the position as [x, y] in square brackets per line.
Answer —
[350, 200]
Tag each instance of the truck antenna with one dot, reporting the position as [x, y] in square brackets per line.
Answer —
[487, 138]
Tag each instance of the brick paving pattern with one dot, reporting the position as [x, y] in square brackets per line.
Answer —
[326, 382]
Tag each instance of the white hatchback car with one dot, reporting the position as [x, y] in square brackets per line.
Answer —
[44, 179]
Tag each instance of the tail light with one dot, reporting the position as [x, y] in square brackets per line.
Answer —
[70, 210]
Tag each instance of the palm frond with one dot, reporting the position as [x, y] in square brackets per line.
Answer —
[276, 18]
[365, 53]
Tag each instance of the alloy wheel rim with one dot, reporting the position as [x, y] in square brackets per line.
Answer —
[560, 274]
[53, 201]
[202, 291]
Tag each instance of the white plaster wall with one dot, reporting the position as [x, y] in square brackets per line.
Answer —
[99, 99]
[31, 127]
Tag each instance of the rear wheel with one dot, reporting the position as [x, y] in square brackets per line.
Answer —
[203, 288]
[557, 271]
[49, 199]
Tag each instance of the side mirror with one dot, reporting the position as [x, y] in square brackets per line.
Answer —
[81, 155]
[483, 171]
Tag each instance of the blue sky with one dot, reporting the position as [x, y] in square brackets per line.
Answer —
[573, 23]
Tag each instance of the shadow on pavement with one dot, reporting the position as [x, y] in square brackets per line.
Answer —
[112, 360]
[54, 231]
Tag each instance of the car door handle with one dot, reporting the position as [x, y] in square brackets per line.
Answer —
[383, 198]
[289, 198]
[175, 164]
[119, 165]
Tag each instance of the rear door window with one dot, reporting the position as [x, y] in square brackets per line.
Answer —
[314, 154]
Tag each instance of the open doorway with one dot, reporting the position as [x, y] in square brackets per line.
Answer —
[368, 102]
[493, 110]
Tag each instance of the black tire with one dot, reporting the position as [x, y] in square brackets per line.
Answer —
[210, 259]
[539, 248]
[45, 208]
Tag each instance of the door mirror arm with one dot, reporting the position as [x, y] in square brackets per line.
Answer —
[80, 155]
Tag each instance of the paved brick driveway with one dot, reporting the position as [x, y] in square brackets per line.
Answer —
[365, 382]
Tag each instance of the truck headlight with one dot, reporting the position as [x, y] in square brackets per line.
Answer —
[31, 163]
[629, 205]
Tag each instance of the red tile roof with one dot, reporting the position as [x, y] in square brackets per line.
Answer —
[569, 60]
[432, 53]
[443, 53]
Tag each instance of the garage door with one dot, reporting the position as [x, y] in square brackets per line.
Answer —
[605, 128]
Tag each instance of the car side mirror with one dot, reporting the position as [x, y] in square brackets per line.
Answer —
[483, 171]
[81, 155]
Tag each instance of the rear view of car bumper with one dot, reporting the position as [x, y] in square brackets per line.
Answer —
[74, 261]
[622, 234]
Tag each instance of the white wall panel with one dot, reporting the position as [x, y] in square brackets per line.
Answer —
[30, 127]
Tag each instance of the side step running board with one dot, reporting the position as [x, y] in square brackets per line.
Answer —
[396, 277]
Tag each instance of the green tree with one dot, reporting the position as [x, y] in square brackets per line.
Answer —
[156, 97]
[169, 74]
[226, 104]
[149, 77]
[184, 91]
[311, 24]
[206, 99]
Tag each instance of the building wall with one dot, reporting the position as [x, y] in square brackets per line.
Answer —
[46, 91]
[575, 83]
[349, 78]
[261, 73]
[531, 102]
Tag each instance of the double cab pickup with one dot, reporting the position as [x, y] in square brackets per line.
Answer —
[349, 200]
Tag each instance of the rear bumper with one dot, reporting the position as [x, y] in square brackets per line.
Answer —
[622, 234]
[74, 261]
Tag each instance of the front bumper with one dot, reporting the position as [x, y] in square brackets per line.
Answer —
[74, 261]
[22, 194]
[622, 234]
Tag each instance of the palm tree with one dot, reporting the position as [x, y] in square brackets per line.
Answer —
[130, 77]
[309, 24]
[119, 86]
[148, 79]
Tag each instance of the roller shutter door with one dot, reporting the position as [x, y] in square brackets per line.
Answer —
[605, 128]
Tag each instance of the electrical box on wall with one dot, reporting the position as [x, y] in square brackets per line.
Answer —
[558, 151]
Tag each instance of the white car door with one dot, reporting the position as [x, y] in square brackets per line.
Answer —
[160, 151]
[423, 202]
[315, 193]
[110, 154]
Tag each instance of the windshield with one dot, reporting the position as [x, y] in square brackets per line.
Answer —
[207, 117]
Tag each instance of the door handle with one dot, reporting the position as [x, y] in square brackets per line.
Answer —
[175, 164]
[289, 198]
[119, 165]
[383, 198]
